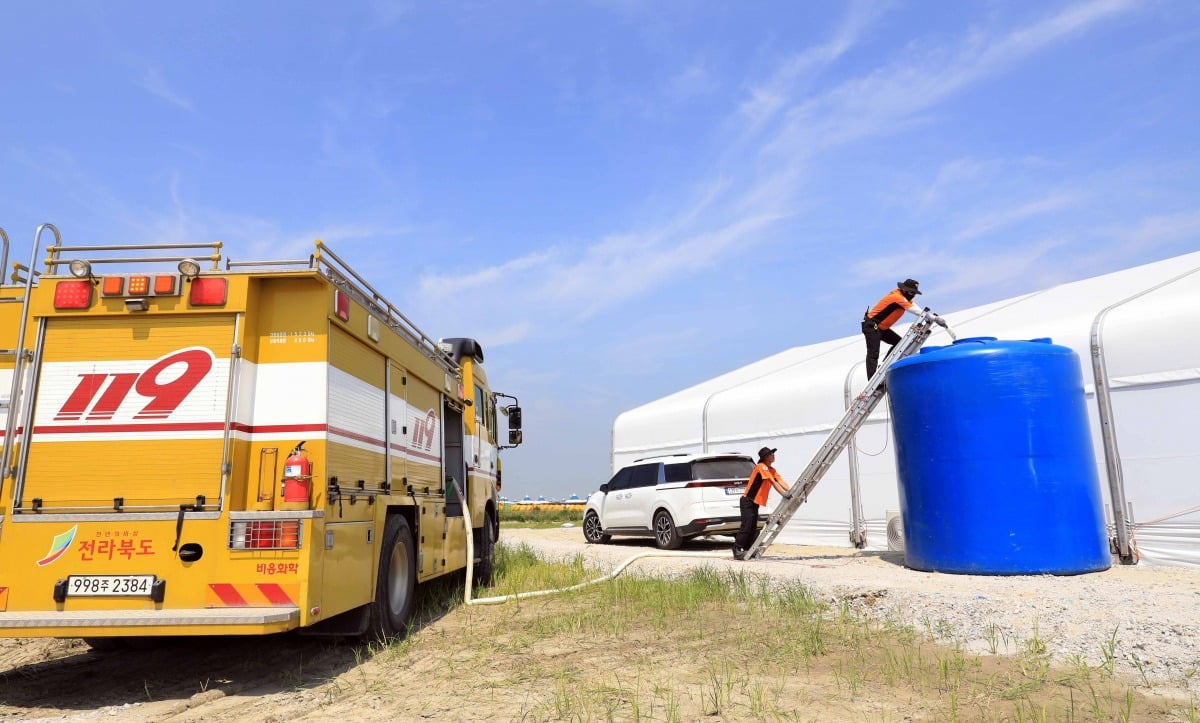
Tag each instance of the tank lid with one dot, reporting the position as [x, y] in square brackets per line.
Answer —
[974, 340]
[974, 345]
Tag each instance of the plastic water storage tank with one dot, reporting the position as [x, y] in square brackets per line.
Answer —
[997, 474]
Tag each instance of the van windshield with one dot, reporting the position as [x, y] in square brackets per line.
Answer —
[722, 468]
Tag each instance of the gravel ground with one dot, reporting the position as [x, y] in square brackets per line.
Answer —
[1146, 620]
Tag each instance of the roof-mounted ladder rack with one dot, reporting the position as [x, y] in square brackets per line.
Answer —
[355, 286]
[340, 273]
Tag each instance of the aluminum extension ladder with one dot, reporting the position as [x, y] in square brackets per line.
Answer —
[855, 415]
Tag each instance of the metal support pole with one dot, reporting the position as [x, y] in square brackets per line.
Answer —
[858, 533]
[1108, 432]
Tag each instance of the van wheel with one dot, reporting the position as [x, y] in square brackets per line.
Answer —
[665, 534]
[593, 531]
[485, 544]
[396, 584]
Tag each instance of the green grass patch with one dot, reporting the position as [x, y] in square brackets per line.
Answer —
[538, 516]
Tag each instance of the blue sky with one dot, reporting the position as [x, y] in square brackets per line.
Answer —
[619, 199]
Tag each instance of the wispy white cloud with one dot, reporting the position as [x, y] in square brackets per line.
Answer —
[444, 285]
[1163, 229]
[893, 96]
[694, 80]
[622, 267]
[948, 272]
[387, 12]
[949, 176]
[993, 221]
[152, 81]
[768, 97]
[510, 334]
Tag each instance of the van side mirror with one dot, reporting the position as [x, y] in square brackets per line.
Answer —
[514, 437]
[514, 417]
[604, 488]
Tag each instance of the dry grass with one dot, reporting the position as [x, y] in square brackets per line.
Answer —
[733, 646]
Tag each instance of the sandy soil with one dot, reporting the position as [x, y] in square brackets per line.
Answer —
[1148, 616]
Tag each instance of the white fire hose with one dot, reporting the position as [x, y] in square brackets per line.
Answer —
[539, 593]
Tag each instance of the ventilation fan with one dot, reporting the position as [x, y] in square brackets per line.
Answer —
[895, 531]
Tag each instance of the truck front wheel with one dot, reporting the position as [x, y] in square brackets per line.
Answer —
[485, 552]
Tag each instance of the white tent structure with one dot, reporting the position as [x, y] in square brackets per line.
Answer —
[1136, 335]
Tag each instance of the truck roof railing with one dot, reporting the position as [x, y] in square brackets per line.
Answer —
[340, 273]
[323, 260]
[54, 260]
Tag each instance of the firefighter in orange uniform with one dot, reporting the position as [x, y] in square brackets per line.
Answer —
[877, 322]
[758, 487]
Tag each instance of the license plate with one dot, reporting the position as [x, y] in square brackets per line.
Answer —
[734, 490]
[95, 585]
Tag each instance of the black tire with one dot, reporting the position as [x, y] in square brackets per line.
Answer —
[666, 536]
[485, 549]
[396, 584]
[107, 645]
[593, 531]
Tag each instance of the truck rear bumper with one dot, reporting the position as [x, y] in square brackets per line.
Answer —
[207, 621]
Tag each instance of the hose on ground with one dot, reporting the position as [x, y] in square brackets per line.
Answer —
[539, 593]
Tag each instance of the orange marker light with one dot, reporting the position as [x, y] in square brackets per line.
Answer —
[164, 285]
[112, 285]
[138, 285]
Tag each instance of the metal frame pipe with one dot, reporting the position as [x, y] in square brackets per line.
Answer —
[1108, 432]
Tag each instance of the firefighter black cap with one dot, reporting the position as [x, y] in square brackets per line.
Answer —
[766, 452]
[909, 285]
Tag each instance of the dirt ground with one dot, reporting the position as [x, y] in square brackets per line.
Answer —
[471, 664]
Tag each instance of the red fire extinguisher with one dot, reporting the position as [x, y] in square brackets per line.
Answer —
[297, 476]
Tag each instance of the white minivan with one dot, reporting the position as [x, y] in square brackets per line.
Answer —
[670, 498]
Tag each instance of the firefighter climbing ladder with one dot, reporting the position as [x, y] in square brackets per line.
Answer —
[855, 415]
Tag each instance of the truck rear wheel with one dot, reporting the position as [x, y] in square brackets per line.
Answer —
[397, 581]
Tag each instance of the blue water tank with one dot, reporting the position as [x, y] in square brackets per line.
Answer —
[996, 468]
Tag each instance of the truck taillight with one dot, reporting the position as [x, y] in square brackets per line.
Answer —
[73, 294]
[341, 305]
[208, 292]
[264, 535]
[138, 285]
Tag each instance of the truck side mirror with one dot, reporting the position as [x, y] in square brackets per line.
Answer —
[514, 437]
[514, 417]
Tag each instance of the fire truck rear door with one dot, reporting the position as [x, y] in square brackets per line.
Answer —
[129, 411]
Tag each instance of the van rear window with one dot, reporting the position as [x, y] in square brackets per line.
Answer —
[678, 472]
[722, 468]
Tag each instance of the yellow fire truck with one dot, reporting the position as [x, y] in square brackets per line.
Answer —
[257, 448]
